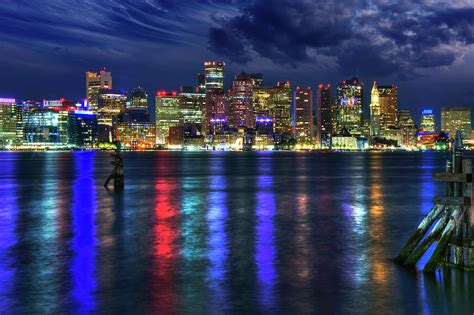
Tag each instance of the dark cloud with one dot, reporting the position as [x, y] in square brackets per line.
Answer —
[375, 38]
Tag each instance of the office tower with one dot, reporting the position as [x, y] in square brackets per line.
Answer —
[325, 114]
[375, 111]
[428, 123]
[8, 122]
[41, 127]
[95, 82]
[82, 128]
[201, 83]
[388, 102]
[19, 124]
[137, 135]
[409, 129]
[456, 118]
[191, 107]
[216, 113]
[214, 76]
[257, 79]
[138, 100]
[349, 105]
[241, 102]
[111, 105]
[304, 115]
[281, 108]
[167, 114]
[263, 100]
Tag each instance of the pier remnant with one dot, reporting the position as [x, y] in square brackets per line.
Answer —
[448, 228]
[117, 171]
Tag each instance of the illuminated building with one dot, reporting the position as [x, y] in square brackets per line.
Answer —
[19, 124]
[138, 100]
[409, 129]
[388, 103]
[137, 135]
[374, 111]
[82, 128]
[456, 118]
[349, 105]
[41, 127]
[216, 112]
[264, 125]
[8, 121]
[95, 82]
[325, 115]
[241, 102]
[167, 114]
[428, 123]
[304, 115]
[110, 106]
[257, 79]
[263, 100]
[281, 108]
[191, 106]
[214, 76]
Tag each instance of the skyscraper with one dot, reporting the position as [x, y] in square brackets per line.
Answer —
[214, 76]
[374, 111]
[110, 106]
[216, 112]
[191, 107]
[388, 102]
[241, 102]
[95, 82]
[8, 119]
[281, 108]
[349, 105]
[456, 118]
[428, 123]
[304, 115]
[408, 126]
[167, 114]
[82, 128]
[138, 100]
[325, 114]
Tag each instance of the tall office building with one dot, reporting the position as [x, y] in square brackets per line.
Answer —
[214, 76]
[428, 123]
[456, 118]
[303, 114]
[41, 127]
[8, 121]
[110, 106]
[167, 114]
[95, 82]
[281, 108]
[82, 128]
[191, 106]
[263, 100]
[325, 114]
[388, 102]
[350, 95]
[216, 113]
[374, 111]
[138, 100]
[409, 129]
[241, 102]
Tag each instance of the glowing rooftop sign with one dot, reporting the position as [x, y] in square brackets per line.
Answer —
[348, 101]
[83, 112]
[7, 100]
[427, 112]
[263, 120]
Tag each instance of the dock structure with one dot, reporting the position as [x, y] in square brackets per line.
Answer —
[448, 228]
[117, 171]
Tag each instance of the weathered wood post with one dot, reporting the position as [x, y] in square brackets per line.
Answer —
[450, 222]
[117, 171]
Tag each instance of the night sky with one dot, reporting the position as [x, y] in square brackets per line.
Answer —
[425, 47]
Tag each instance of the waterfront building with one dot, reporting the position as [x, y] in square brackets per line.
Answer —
[215, 113]
[456, 118]
[214, 76]
[427, 121]
[137, 135]
[82, 128]
[350, 95]
[241, 102]
[138, 100]
[388, 104]
[41, 128]
[167, 114]
[95, 83]
[409, 129]
[374, 111]
[325, 115]
[280, 110]
[303, 114]
[111, 105]
[8, 122]
[191, 106]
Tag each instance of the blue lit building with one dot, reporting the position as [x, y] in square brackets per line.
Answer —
[82, 128]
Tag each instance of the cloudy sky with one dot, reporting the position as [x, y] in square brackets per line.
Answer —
[425, 47]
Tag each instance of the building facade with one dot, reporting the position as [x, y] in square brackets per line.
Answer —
[303, 114]
[95, 82]
[241, 111]
[8, 122]
[427, 121]
[350, 95]
[167, 114]
[82, 128]
[456, 118]
[325, 115]
[214, 76]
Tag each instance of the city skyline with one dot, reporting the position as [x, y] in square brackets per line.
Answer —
[160, 45]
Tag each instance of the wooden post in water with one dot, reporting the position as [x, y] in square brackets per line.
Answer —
[117, 171]
[450, 222]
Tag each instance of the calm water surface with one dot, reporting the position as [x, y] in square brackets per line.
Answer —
[219, 232]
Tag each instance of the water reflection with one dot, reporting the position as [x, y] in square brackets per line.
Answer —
[84, 234]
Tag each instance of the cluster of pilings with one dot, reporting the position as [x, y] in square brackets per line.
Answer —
[117, 171]
[448, 227]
